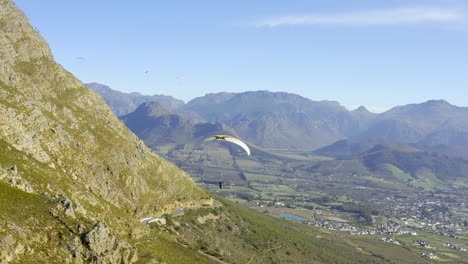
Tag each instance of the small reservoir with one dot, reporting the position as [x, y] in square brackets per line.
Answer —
[291, 216]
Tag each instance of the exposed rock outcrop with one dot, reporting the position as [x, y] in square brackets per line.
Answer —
[12, 177]
[106, 246]
[7, 251]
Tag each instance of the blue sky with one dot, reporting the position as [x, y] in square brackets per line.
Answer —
[377, 53]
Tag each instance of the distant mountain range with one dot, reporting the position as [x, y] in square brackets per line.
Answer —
[281, 120]
[278, 120]
[124, 103]
[431, 123]
[158, 126]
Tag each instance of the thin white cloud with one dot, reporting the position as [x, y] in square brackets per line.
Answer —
[396, 16]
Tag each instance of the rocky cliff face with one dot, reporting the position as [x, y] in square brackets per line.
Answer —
[58, 137]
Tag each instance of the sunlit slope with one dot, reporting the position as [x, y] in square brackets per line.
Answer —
[236, 234]
[50, 115]
[74, 180]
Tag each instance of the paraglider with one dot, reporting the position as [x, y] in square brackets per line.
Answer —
[230, 139]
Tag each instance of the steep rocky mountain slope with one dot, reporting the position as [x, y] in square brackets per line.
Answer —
[50, 115]
[68, 164]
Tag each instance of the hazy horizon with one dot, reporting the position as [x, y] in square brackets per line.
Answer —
[350, 108]
[379, 54]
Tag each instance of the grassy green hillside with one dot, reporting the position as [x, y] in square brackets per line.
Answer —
[236, 234]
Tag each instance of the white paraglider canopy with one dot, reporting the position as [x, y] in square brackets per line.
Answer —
[230, 139]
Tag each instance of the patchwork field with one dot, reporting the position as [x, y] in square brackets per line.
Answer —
[336, 193]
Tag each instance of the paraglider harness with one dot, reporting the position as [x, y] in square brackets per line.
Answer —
[221, 183]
